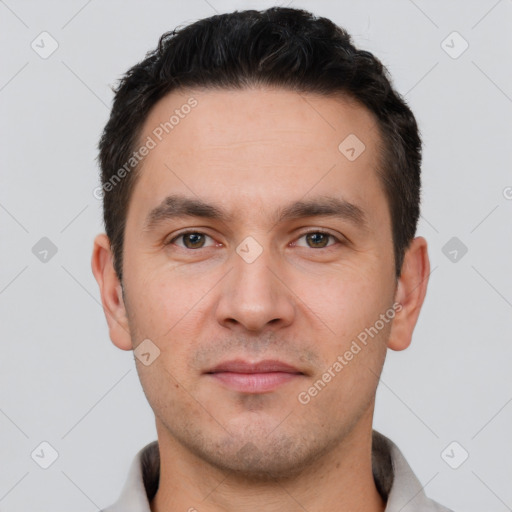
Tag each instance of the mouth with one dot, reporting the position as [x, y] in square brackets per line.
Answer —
[260, 377]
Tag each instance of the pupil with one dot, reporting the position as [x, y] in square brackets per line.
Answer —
[314, 237]
[194, 238]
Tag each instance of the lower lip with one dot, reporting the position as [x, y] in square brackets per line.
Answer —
[254, 382]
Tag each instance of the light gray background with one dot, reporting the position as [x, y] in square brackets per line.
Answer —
[61, 379]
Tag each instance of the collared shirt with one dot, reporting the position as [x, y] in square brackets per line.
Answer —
[393, 476]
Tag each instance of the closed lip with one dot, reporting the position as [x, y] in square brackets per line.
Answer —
[266, 366]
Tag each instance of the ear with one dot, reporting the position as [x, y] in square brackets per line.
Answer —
[410, 293]
[111, 293]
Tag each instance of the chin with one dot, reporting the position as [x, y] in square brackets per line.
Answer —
[266, 458]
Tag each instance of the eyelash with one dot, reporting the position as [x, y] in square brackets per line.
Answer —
[314, 231]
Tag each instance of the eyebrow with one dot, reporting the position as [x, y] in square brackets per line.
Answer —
[179, 206]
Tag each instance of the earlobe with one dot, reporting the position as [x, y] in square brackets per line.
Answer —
[410, 293]
[111, 293]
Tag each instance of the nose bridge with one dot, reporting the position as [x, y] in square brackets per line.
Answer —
[253, 296]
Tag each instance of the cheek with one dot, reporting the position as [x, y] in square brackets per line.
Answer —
[171, 310]
[346, 300]
[162, 300]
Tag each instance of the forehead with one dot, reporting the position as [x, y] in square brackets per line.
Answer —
[219, 118]
[258, 145]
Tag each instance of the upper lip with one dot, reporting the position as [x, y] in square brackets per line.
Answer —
[266, 366]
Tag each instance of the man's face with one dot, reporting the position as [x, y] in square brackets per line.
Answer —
[255, 286]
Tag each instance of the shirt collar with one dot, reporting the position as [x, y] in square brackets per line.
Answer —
[393, 477]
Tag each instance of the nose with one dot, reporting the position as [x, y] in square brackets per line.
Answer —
[254, 295]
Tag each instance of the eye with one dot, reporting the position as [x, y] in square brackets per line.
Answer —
[197, 240]
[318, 239]
[191, 240]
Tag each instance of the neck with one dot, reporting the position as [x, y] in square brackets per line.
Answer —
[340, 480]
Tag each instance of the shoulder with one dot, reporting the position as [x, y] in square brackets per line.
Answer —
[396, 480]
